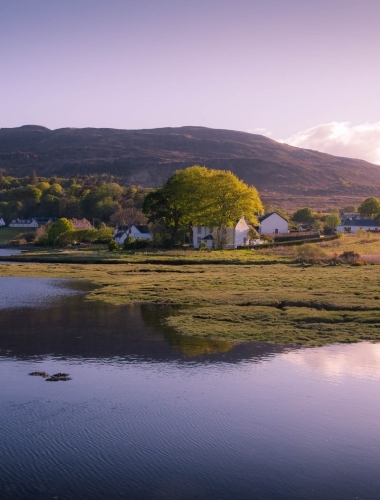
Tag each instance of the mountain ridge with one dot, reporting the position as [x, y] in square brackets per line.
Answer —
[149, 156]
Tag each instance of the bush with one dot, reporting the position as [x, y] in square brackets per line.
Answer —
[311, 253]
[135, 243]
[349, 256]
[113, 245]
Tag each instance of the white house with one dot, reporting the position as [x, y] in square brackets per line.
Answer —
[236, 235]
[273, 223]
[2, 223]
[32, 223]
[136, 231]
[353, 224]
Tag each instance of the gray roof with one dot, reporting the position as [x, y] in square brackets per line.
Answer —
[208, 237]
[263, 217]
[360, 222]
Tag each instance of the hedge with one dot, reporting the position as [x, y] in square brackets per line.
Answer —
[289, 243]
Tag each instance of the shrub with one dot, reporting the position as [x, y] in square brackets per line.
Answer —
[113, 245]
[311, 253]
[349, 256]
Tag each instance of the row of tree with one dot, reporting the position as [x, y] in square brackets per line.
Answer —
[92, 198]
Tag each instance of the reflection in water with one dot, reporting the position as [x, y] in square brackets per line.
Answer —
[339, 361]
[152, 415]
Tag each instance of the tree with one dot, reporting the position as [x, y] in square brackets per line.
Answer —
[201, 196]
[33, 179]
[370, 207]
[2, 183]
[58, 228]
[303, 215]
[332, 221]
[128, 217]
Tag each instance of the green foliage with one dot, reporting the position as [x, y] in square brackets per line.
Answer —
[200, 196]
[113, 245]
[303, 215]
[369, 207]
[58, 228]
[135, 243]
[333, 221]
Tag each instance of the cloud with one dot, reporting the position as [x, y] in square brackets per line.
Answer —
[341, 139]
[340, 361]
[259, 130]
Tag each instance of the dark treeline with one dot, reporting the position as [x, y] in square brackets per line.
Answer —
[93, 197]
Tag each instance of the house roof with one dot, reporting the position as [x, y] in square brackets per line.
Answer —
[142, 229]
[119, 234]
[360, 222]
[208, 237]
[263, 217]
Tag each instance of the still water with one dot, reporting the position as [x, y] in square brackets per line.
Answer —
[152, 415]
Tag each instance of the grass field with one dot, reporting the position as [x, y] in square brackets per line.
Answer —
[282, 303]
[9, 233]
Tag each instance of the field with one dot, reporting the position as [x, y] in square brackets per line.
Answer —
[242, 298]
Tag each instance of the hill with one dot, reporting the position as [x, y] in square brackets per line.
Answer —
[284, 174]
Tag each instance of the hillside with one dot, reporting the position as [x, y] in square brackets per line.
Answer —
[148, 157]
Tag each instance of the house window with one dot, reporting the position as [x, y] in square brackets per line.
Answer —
[199, 228]
[199, 240]
[276, 231]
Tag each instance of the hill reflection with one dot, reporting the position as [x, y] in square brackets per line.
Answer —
[71, 327]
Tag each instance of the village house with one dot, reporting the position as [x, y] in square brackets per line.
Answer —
[80, 224]
[235, 236]
[135, 231]
[272, 223]
[2, 223]
[353, 224]
[29, 223]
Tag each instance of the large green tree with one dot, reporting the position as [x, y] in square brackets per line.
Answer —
[58, 228]
[303, 215]
[200, 196]
[370, 207]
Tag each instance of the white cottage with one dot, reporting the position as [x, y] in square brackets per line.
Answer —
[236, 235]
[273, 223]
[30, 223]
[353, 224]
[135, 231]
[2, 223]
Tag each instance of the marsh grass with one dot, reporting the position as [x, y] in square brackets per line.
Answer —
[283, 303]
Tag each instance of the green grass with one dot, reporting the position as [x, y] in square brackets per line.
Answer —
[282, 303]
[9, 233]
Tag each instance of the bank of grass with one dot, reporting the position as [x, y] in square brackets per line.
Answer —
[282, 303]
[100, 254]
[7, 234]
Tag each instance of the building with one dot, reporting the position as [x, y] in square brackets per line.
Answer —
[80, 224]
[29, 223]
[236, 236]
[353, 224]
[272, 223]
[2, 223]
[135, 231]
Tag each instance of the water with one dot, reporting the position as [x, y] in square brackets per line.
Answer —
[152, 415]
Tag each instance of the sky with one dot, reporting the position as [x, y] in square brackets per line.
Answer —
[306, 72]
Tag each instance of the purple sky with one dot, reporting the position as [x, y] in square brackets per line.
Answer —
[279, 65]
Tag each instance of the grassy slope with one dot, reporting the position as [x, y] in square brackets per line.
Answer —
[282, 303]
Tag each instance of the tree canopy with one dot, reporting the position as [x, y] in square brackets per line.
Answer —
[370, 207]
[202, 197]
[303, 215]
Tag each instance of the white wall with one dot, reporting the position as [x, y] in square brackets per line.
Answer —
[32, 224]
[354, 229]
[273, 224]
[241, 233]
[2, 223]
[135, 233]
[236, 236]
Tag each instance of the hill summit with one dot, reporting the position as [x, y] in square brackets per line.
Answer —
[149, 156]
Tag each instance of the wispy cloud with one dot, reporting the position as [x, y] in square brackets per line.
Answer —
[260, 131]
[341, 139]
